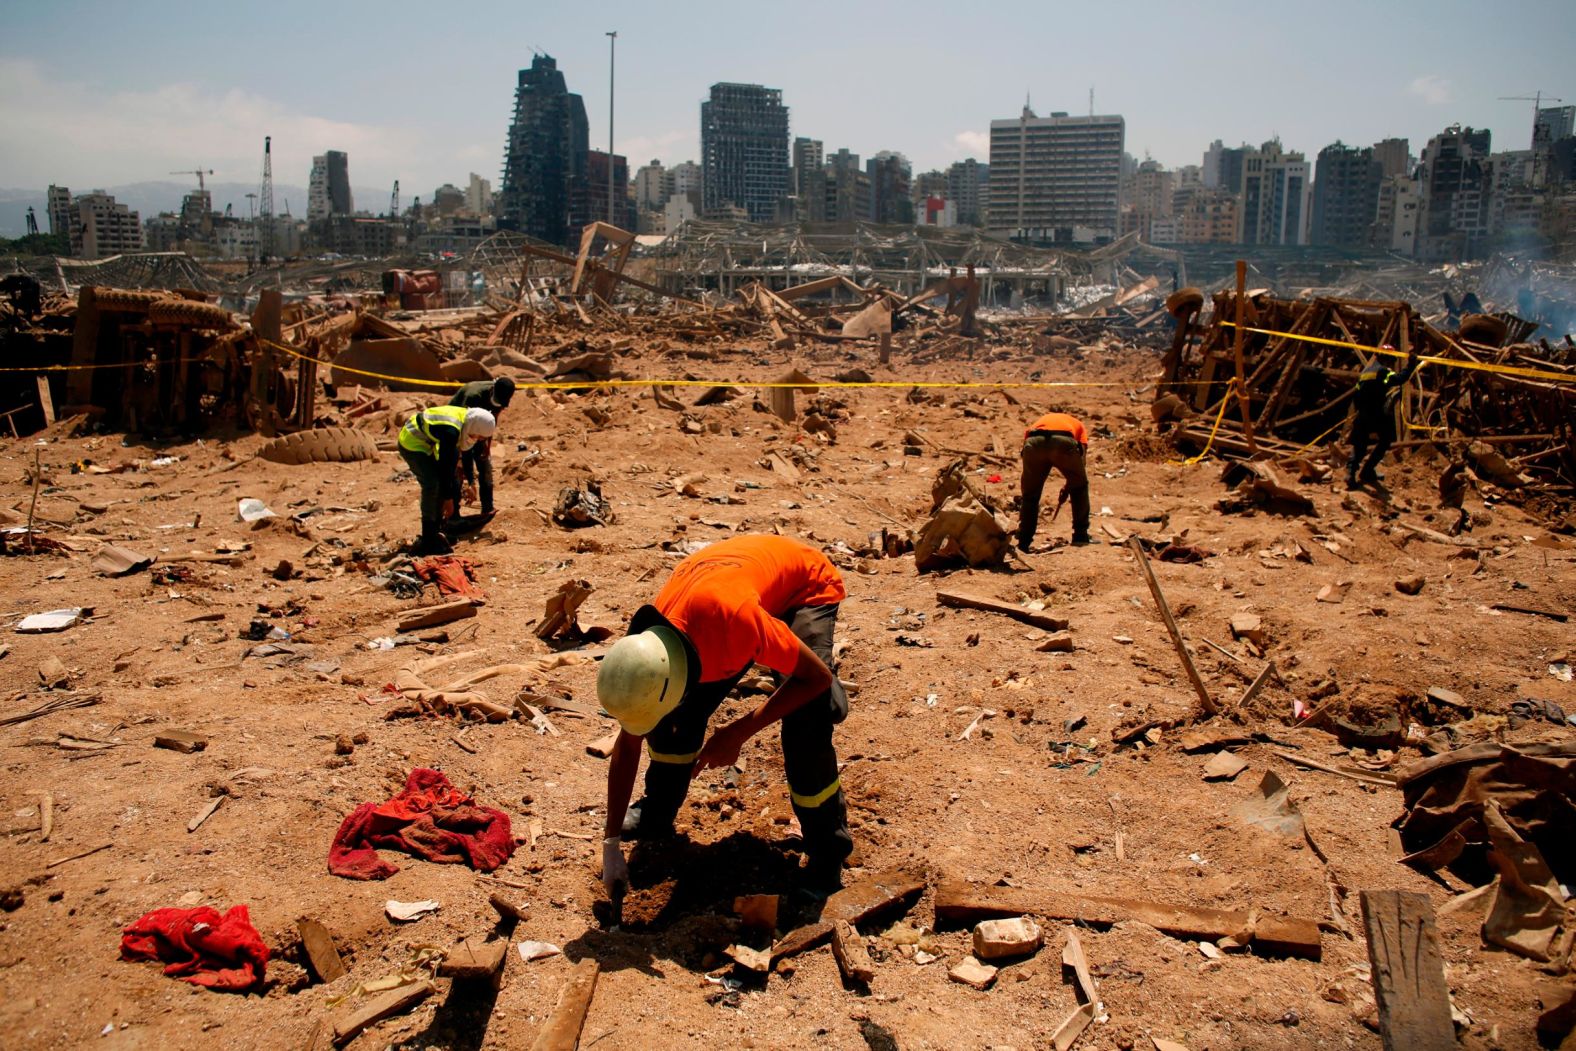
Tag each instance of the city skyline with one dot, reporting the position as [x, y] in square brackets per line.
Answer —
[110, 116]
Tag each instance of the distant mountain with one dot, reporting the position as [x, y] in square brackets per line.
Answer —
[151, 198]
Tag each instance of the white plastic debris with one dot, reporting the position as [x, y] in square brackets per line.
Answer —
[406, 911]
[252, 510]
[1561, 671]
[164, 461]
[54, 620]
[382, 642]
[537, 950]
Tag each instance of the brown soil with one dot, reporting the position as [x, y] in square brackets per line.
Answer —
[1022, 800]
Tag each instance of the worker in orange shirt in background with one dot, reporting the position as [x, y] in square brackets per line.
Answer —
[1060, 441]
[748, 600]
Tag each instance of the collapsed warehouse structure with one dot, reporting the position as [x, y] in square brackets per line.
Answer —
[1482, 393]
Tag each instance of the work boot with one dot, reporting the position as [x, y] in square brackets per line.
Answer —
[1372, 476]
[1080, 539]
[1351, 480]
[821, 877]
[634, 828]
[433, 543]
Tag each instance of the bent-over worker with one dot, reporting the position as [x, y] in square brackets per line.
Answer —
[431, 443]
[494, 396]
[1060, 441]
[1378, 390]
[765, 600]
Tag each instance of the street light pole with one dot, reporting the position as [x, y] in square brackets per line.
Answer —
[612, 44]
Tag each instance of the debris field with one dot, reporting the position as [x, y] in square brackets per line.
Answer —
[1130, 795]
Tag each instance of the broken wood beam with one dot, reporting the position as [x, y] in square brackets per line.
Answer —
[1408, 972]
[432, 616]
[1210, 707]
[393, 1002]
[561, 1031]
[964, 903]
[508, 912]
[853, 959]
[1006, 609]
[852, 904]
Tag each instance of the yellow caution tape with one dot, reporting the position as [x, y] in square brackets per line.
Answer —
[1204, 452]
[750, 384]
[1455, 363]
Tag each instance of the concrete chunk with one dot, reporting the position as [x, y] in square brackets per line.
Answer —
[1018, 936]
[972, 973]
[1249, 626]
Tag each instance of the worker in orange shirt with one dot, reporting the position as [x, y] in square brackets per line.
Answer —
[1060, 441]
[748, 600]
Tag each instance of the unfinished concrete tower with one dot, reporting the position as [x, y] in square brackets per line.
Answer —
[544, 168]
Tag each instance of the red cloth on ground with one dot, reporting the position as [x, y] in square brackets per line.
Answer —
[200, 946]
[452, 574]
[430, 819]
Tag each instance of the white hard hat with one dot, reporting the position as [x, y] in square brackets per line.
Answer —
[646, 674]
[479, 423]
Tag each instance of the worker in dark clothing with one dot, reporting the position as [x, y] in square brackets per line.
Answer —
[748, 600]
[494, 396]
[431, 443]
[1378, 389]
[1060, 441]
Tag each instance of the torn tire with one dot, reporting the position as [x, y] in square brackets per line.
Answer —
[321, 445]
[1185, 301]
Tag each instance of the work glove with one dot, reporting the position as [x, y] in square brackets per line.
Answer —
[615, 870]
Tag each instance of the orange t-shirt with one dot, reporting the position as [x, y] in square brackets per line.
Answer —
[1060, 421]
[727, 598]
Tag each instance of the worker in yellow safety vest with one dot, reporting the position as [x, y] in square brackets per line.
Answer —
[431, 443]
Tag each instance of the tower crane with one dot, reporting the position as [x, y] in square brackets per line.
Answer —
[201, 187]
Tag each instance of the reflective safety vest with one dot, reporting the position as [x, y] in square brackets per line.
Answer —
[420, 433]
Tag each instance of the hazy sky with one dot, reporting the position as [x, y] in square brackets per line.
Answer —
[102, 93]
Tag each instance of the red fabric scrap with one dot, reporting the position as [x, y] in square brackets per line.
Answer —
[452, 574]
[200, 946]
[430, 819]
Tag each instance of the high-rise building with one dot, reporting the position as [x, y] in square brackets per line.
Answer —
[1345, 196]
[545, 159]
[966, 188]
[685, 179]
[1552, 124]
[809, 156]
[1395, 216]
[60, 211]
[478, 196]
[890, 175]
[1209, 170]
[651, 186]
[328, 186]
[102, 227]
[744, 151]
[1394, 157]
[1056, 178]
[1275, 196]
[592, 206]
[1455, 179]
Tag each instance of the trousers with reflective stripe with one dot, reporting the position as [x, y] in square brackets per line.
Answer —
[809, 757]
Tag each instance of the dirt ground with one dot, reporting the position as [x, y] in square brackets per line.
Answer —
[1024, 800]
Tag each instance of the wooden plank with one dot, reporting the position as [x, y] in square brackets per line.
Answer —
[964, 903]
[852, 904]
[853, 959]
[45, 402]
[396, 1001]
[1006, 609]
[1204, 698]
[561, 1031]
[1408, 972]
[321, 952]
[432, 616]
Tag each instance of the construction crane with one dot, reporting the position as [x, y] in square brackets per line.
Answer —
[265, 209]
[394, 201]
[1537, 99]
[201, 186]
